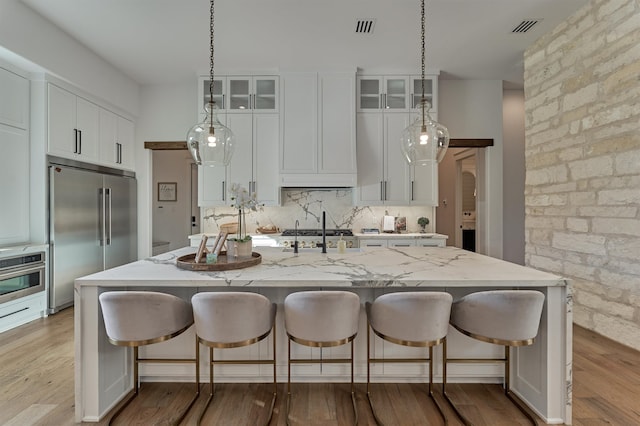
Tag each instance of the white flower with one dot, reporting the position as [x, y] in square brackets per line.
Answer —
[242, 199]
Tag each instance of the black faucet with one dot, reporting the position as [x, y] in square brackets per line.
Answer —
[324, 232]
[295, 238]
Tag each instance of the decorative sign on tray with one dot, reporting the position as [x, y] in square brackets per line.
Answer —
[215, 249]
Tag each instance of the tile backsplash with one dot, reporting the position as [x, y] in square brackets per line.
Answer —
[307, 206]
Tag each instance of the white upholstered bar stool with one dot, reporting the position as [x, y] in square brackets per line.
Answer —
[415, 319]
[502, 317]
[321, 319]
[139, 318]
[232, 320]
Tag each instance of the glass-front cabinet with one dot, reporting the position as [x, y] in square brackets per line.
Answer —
[379, 92]
[253, 93]
[393, 93]
[219, 93]
[240, 93]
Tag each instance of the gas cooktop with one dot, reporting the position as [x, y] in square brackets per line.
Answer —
[317, 232]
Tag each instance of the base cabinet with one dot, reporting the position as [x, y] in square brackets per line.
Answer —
[21, 311]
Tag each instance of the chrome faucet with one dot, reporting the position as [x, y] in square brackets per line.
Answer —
[295, 238]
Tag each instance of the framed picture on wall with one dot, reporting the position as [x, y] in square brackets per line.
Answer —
[167, 191]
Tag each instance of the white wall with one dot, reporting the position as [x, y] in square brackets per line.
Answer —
[171, 219]
[513, 176]
[29, 35]
[167, 112]
[473, 109]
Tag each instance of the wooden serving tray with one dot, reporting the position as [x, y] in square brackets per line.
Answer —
[224, 264]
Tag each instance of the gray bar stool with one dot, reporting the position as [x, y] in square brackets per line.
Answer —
[416, 319]
[502, 317]
[321, 319]
[139, 318]
[231, 320]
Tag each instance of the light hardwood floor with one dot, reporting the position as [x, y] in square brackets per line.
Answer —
[36, 388]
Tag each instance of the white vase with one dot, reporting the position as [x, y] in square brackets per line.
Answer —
[239, 249]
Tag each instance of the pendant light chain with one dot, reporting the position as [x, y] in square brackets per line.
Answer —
[422, 100]
[211, 57]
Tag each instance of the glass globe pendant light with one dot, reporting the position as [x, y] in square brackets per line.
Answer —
[210, 142]
[424, 141]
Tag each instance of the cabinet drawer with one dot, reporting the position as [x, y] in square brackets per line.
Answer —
[21, 311]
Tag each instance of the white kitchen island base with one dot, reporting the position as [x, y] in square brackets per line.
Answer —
[541, 373]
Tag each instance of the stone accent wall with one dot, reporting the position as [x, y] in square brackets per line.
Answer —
[582, 136]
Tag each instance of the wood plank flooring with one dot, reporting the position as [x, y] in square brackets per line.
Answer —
[36, 388]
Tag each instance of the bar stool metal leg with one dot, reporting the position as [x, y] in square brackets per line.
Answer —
[127, 324]
[226, 320]
[411, 319]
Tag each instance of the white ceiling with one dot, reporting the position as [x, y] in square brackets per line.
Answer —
[161, 41]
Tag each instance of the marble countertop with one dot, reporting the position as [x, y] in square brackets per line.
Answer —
[383, 267]
[407, 235]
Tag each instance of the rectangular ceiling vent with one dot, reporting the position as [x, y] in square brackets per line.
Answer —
[365, 26]
[525, 26]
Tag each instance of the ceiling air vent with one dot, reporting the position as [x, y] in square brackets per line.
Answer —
[365, 26]
[525, 26]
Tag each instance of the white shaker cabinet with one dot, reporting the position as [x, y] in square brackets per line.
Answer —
[14, 185]
[252, 165]
[386, 106]
[212, 181]
[73, 125]
[116, 140]
[14, 158]
[14, 100]
[383, 174]
[318, 144]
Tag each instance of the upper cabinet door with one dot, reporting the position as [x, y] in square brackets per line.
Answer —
[265, 90]
[396, 93]
[430, 91]
[240, 96]
[63, 139]
[369, 93]
[88, 125]
[14, 94]
[219, 93]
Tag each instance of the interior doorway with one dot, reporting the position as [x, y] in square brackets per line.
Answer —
[466, 199]
[176, 214]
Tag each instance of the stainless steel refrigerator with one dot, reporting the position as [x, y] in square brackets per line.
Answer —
[92, 224]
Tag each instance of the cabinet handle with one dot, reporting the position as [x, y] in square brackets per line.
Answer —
[224, 195]
[80, 144]
[381, 191]
[385, 101]
[120, 153]
[381, 103]
[385, 190]
[75, 135]
[101, 215]
[412, 199]
[223, 101]
[107, 220]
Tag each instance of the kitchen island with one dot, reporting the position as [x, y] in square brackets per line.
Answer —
[541, 373]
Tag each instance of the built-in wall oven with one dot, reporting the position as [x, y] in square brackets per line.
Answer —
[21, 276]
